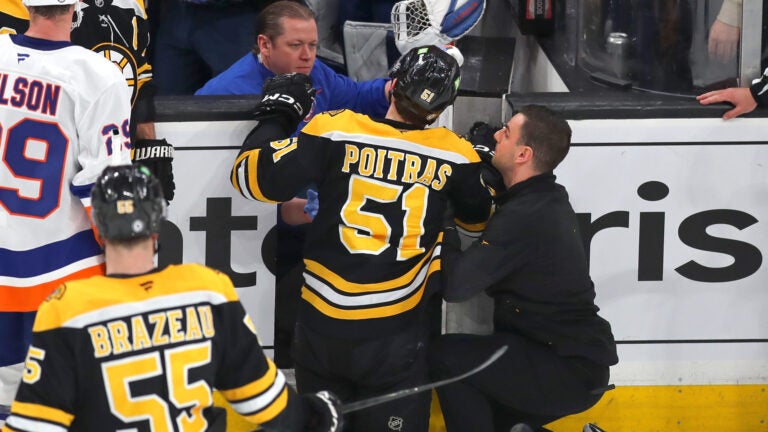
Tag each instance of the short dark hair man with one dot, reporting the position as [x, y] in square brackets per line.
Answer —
[144, 348]
[531, 261]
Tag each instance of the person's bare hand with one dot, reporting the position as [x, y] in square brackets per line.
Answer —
[723, 41]
[145, 131]
[741, 98]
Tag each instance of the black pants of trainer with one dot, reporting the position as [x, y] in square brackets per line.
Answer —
[528, 384]
[355, 370]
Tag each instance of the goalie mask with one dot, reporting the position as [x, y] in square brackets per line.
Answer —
[127, 202]
[433, 22]
[427, 82]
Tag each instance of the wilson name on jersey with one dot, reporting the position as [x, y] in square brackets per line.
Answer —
[59, 104]
[115, 29]
[383, 193]
[145, 353]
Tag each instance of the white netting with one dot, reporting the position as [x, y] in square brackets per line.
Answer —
[433, 22]
[414, 27]
[417, 18]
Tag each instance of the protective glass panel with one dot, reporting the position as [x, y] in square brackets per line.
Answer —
[667, 46]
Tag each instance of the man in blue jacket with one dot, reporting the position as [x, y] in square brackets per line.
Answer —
[287, 42]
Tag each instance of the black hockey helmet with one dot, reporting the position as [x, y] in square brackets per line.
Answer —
[427, 82]
[127, 202]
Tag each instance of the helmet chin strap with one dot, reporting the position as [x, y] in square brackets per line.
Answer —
[78, 15]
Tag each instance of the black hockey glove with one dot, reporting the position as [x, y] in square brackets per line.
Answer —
[157, 155]
[288, 97]
[322, 412]
[481, 137]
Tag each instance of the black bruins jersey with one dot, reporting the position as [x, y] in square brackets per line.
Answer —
[144, 353]
[383, 192]
[116, 29]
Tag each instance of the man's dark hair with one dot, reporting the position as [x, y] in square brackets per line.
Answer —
[547, 133]
[269, 22]
[49, 11]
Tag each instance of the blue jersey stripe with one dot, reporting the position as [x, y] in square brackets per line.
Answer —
[50, 257]
[15, 335]
[81, 191]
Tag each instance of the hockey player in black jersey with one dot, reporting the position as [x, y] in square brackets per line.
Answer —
[142, 348]
[373, 249]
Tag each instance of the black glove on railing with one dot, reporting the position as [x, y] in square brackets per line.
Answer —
[288, 97]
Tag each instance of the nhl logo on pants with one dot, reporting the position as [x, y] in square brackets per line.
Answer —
[395, 423]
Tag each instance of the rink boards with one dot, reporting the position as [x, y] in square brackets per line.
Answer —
[673, 213]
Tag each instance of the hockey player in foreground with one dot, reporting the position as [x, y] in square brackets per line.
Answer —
[143, 348]
[373, 248]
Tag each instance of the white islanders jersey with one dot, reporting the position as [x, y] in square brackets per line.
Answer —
[59, 105]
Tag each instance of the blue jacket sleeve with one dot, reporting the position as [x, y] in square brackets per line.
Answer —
[366, 97]
[244, 77]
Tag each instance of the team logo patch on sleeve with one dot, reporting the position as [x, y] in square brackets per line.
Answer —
[57, 294]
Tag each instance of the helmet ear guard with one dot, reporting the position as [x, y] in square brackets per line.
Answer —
[427, 82]
[127, 202]
[433, 22]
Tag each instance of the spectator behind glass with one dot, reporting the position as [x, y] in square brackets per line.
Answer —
[194, 40]
[724, 34]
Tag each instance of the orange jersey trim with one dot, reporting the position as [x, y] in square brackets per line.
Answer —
[28, 299]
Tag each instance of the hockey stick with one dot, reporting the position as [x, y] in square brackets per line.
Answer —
[376, 400]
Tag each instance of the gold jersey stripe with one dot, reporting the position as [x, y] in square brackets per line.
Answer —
[342, 284]
[248, 162]
[474, 228]
[353, 123]
[253, 388]
[373, 312]
[235, 169]
[101, 298]
[42, 412]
